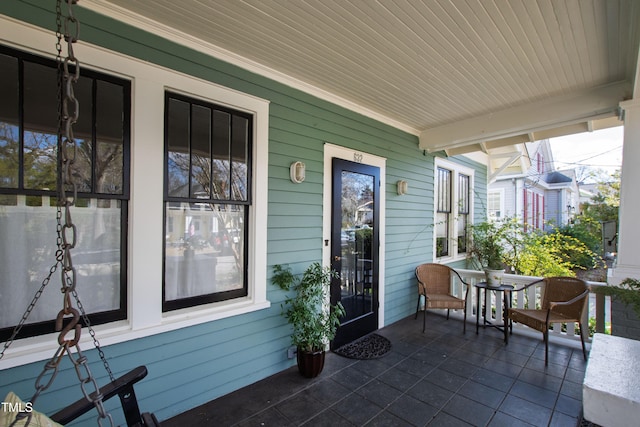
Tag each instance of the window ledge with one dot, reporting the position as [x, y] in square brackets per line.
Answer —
[448, 259]
[43, 347]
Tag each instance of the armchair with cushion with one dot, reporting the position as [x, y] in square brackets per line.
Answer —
[563, 300]
[434, 283]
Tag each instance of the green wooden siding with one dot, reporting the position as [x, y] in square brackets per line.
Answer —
[193, 365]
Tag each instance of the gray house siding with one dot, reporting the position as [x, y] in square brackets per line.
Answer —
[193, 365]
[553, 207]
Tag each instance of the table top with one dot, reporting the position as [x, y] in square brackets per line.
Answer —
[485, 285]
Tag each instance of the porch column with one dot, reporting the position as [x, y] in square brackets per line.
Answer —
[628, 262]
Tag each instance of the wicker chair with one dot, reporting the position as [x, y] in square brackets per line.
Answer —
[434, 283]
[563, 300]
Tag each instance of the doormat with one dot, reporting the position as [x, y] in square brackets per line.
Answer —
[371, 346]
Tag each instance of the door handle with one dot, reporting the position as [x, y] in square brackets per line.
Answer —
[337, 258]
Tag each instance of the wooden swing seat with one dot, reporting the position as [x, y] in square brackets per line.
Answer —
[123, 387]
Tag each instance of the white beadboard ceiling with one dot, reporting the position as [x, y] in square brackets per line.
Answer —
[464, 75]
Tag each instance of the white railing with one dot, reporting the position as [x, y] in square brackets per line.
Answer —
[494, 303]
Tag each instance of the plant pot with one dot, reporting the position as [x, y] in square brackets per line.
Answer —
[494, 277]
[310, 364]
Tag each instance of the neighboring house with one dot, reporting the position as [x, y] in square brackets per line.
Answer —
[529, 188]
[587, 192]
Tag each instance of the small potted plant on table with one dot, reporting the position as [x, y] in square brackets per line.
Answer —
[313, 318]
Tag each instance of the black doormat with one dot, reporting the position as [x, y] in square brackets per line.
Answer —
[371, 346]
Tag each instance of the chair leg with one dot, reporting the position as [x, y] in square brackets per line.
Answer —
[584, 350]
[424, 319]
[417, 308]
[546, 347]
[464, 322]
[448, 313]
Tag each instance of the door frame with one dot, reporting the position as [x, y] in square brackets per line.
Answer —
[331, 151]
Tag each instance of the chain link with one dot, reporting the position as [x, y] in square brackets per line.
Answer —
[80, 364]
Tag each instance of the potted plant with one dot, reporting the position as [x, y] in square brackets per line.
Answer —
[314, 320]
[486, 250]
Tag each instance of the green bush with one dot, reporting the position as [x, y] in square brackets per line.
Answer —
[533, 252]
[588, 231]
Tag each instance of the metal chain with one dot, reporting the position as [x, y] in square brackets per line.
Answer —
[68, 113]
[59, 253]
[93, 335]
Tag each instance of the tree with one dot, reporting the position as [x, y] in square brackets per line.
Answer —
[604, 205]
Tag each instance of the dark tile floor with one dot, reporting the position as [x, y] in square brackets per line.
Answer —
[437, 378]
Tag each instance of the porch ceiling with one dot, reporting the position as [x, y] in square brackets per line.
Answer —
[464, 75]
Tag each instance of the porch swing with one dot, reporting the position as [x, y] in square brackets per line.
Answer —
[68, 319]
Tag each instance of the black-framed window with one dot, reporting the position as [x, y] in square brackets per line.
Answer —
[28, 197]
[453, 209]
[443, 211]
[464, 210]
[207, 197]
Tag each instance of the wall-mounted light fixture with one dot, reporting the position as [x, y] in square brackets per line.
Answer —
[403, 187]
[297, 172]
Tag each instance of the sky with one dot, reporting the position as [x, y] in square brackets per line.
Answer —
[601, 149]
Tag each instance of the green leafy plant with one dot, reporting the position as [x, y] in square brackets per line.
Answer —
[588, 231]
[314, 321]
[627, 292]
[487, 246]
[528, 251]
[553, 254]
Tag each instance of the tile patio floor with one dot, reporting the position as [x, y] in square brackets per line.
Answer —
[439, 378]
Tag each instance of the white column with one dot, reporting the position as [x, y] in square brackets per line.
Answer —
[628, 262]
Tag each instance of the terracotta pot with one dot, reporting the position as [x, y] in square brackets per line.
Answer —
[310, 364]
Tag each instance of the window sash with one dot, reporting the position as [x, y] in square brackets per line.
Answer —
[453, 208]
[207, 202]
[28, 190]
[444, 191]
[463, 194]
[494, 202]
[205, 254]
[207, 151]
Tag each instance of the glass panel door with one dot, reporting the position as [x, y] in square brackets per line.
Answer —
[355, 247]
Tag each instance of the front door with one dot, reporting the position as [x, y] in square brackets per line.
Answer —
[354, 248]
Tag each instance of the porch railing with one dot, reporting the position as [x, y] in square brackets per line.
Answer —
[493, 300]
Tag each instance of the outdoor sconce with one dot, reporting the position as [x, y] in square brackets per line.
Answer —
[297, 172]
[403, 187]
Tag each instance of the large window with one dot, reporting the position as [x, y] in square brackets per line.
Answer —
[453, 209]
[207, 201]
[28, 198]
